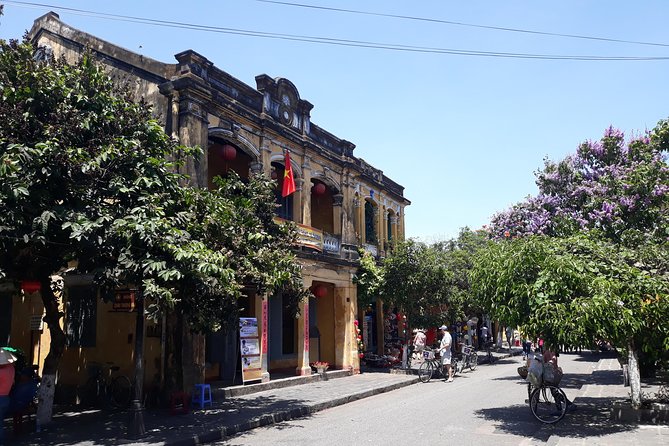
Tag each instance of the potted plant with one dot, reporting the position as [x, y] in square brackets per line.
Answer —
[320, 366]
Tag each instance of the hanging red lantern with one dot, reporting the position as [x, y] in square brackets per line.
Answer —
[228, 152]
[319, 290]
[30, 286]
[318, 189]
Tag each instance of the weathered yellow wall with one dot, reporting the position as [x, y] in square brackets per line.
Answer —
[23, 308]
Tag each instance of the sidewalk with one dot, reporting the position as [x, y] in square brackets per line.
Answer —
[227, 417]
[596, 393]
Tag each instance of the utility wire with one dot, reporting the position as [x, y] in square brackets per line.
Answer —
[472, 25]
[329, 41]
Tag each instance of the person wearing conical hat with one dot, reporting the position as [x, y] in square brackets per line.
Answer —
[6, 382]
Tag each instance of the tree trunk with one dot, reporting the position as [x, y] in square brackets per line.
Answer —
[634, 375]
[52, 306]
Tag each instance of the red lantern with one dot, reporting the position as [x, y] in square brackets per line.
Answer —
[319, 290]
[319, 189]
[31, 286]
[228, 152]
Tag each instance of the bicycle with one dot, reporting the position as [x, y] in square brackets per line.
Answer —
[547, 400]
[469, 358]
[432, 365]
[488, 352]
[101, 387]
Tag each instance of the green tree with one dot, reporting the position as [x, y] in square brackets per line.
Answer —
[85, 175]
[415, 280]
[601, 272]
[368, 279]
[458, 255]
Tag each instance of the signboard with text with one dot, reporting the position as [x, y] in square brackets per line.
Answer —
[249, 348]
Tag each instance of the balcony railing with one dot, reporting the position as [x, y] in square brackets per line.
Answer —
[316, 239]
[372, 249]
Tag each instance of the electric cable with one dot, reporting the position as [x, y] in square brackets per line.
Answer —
[472, 25]
[330, 41]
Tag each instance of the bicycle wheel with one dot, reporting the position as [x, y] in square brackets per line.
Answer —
[548, 404]
[473, 361]
[120, 391]
[456, 366]
[425, 371]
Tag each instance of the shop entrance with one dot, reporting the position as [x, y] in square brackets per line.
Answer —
[322, 326]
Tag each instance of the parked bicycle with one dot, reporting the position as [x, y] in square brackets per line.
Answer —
[469, 358]
[488, 351]
[548, 402]
[432, 366]
[106, 386]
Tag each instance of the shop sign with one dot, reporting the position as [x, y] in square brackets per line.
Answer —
[310, 237]
[124, 301]
[306, 235]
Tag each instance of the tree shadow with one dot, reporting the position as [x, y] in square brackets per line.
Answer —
[591, 419]
[104, 428]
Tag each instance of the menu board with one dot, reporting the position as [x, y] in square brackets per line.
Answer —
[249, 347]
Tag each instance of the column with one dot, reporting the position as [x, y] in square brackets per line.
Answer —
[262, 314]
[380, 327]
[193, 131]
[393, 226]
[303, 367]
[297, 201]
[306, 192]
[337, 214]
[358, 212]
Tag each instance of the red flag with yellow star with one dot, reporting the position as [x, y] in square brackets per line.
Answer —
[288, 179]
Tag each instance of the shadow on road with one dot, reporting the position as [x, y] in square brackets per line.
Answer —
[592, 419]
[105, 428]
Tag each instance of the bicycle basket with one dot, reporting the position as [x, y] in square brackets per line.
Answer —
[428, 354]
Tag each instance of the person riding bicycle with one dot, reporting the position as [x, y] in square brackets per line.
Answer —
[445, 351]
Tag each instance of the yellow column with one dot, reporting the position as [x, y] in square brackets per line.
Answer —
[306, 192]
[262, 315]
[380, 327]
[303, 367]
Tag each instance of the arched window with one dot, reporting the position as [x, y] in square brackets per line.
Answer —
[322, 215]
[223, 157]
[285, 209]
[389, 225]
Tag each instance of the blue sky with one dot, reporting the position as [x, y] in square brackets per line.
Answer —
[462, 134]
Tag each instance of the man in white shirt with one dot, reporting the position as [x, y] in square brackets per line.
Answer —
[445, 351]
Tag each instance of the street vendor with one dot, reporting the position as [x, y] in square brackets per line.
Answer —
[6, 382]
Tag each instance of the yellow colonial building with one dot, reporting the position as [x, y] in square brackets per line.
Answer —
[341, 204]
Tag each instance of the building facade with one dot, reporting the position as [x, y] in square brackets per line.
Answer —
[341, 205]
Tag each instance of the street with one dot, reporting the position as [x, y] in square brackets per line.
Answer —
[484, 407]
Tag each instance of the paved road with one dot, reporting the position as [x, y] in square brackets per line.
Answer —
[484, 407]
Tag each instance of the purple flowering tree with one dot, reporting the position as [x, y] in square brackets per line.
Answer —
[587, 256]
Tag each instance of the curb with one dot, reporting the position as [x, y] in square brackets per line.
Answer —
[277, 417]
